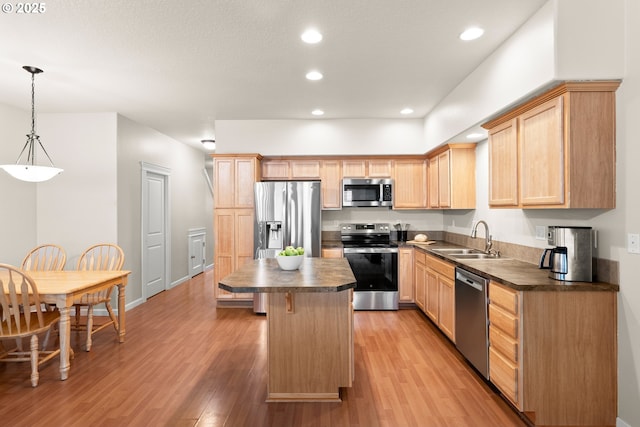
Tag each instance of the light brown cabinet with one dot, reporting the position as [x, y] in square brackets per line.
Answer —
[405, 275]
[420, 279]
[233, 242]
[331, 178]
[565, 145]
[410, 184]
[435, 291]
[553, 354]
[233, 217]
[332, 253]
[298, 169]
[366, 168]
[452, 177]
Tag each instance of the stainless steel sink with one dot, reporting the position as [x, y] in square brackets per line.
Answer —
[458, 251]
[476, 256]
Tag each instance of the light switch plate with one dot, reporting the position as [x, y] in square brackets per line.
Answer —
[541, 232]
[633, 243]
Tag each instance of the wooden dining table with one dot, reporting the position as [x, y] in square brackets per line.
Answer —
[63, 287]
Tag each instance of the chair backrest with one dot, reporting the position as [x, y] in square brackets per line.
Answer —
[104, 256]
[19, 301]
[45, 258]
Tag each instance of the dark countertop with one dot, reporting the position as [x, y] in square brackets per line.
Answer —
[314, 275]
[518, 275]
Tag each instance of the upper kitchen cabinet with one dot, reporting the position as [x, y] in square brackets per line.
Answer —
[452, 177]
[557, 150]
[331, 177]
[292, 169]
[366, 168]
[234, 176]
[410, 183]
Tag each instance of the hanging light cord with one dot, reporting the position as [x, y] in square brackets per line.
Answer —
[32, 137]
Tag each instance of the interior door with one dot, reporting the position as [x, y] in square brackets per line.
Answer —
[154, 231]
[196, 254]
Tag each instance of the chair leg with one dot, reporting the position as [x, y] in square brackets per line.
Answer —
[89, 326]
[112, 316]
[34, 361]
[77, 307]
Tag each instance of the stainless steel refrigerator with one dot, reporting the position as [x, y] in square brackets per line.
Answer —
[288, 213]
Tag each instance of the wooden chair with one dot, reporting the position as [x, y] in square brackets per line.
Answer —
[105, 257]
[45, 258]
[21, 316]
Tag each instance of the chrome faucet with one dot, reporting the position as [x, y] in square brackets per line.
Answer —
[488, 242]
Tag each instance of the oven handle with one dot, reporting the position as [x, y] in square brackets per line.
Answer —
[370, 251]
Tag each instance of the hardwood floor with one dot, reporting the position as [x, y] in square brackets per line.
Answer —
[186, 363]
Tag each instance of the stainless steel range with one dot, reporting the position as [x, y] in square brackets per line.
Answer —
[374, 261]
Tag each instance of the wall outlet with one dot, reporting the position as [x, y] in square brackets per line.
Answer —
[541, 232]
[633, 243]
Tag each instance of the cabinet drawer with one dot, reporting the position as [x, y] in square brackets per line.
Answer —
[504, 344]
[441, 267]
[504, 297]
[419, 256]
[504, 375]
[506, 322]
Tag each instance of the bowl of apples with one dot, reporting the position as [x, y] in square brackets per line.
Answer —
[290, 258]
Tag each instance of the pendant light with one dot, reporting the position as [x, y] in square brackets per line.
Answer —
[29, 171]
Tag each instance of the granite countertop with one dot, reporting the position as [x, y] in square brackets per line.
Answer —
[314, 275]
[516, 274]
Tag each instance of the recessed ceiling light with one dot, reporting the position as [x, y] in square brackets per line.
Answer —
[311, 36]
[317, 112]
[406, 111]
[471, 33]
[314, 75]
[209, 144]
[475, 135]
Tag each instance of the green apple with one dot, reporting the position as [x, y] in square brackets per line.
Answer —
[300, 250]
[290, 251]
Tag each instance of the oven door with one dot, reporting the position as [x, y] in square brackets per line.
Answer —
[376, 273]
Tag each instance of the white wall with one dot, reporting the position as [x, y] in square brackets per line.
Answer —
[78, 208]
[320, 137]
[18, 213]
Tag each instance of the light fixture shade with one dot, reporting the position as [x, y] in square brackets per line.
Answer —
[31, 173]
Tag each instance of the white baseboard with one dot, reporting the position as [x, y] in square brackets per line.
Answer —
[178, 282]
[620, 423]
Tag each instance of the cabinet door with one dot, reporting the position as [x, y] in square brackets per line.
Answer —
[433, 301]
[331, 177]
[444, 180]
[410, 184]
[405, 275]
[224, 182]
[305, 169]
[446, 305]
[379, 169]
[503, 164]
[245, 178]
[275, 169]
[354, 169]
[224, 235]
[420, 279]
[331, 253]
[243, 231]
[542, 155]
[433, 183]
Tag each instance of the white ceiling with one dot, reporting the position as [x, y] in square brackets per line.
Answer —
[178, 66]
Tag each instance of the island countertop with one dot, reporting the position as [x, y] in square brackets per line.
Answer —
[314, 275]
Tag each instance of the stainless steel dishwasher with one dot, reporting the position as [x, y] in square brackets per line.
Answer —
[472, 331]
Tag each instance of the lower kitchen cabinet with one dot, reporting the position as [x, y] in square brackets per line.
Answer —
[420, 278]
[553, 354]
[233, 240]
[332, 253]
[435, 291]
[405, 275]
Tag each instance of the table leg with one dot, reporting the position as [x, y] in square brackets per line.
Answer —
[121, 305]
[65, 341]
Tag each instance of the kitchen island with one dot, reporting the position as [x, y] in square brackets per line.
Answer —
[309, 323]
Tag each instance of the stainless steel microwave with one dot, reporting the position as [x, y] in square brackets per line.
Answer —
[367, 192]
